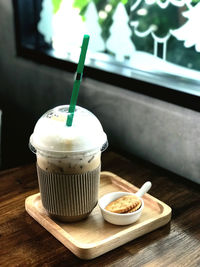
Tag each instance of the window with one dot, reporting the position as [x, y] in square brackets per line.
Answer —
[153, 42]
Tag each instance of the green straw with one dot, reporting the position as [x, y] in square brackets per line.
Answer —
[77, 80]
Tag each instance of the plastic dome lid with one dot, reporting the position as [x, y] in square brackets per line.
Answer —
[52, 135]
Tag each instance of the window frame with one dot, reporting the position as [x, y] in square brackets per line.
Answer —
[42, 53]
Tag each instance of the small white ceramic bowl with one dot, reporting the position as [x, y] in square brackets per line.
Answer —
[119, 218]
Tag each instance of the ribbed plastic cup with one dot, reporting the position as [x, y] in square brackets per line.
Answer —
[68, 162]
[69, 184]
[69, 197]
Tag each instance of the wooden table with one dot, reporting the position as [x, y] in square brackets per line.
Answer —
[24, 242]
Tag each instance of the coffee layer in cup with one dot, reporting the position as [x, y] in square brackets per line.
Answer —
[69, 164]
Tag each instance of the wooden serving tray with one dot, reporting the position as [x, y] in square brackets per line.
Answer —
[94, 236]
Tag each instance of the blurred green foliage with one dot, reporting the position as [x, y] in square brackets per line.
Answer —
[56, 5]
[81, 4]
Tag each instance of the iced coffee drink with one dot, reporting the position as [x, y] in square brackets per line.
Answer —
[68, 162]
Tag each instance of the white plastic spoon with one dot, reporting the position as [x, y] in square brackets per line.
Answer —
[144, 189]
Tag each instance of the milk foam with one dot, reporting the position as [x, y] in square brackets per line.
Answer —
[52, 135]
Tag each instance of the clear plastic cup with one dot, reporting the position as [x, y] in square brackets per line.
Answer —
[68, 162]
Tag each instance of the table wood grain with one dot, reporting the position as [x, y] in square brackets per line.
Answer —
[24, 242]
